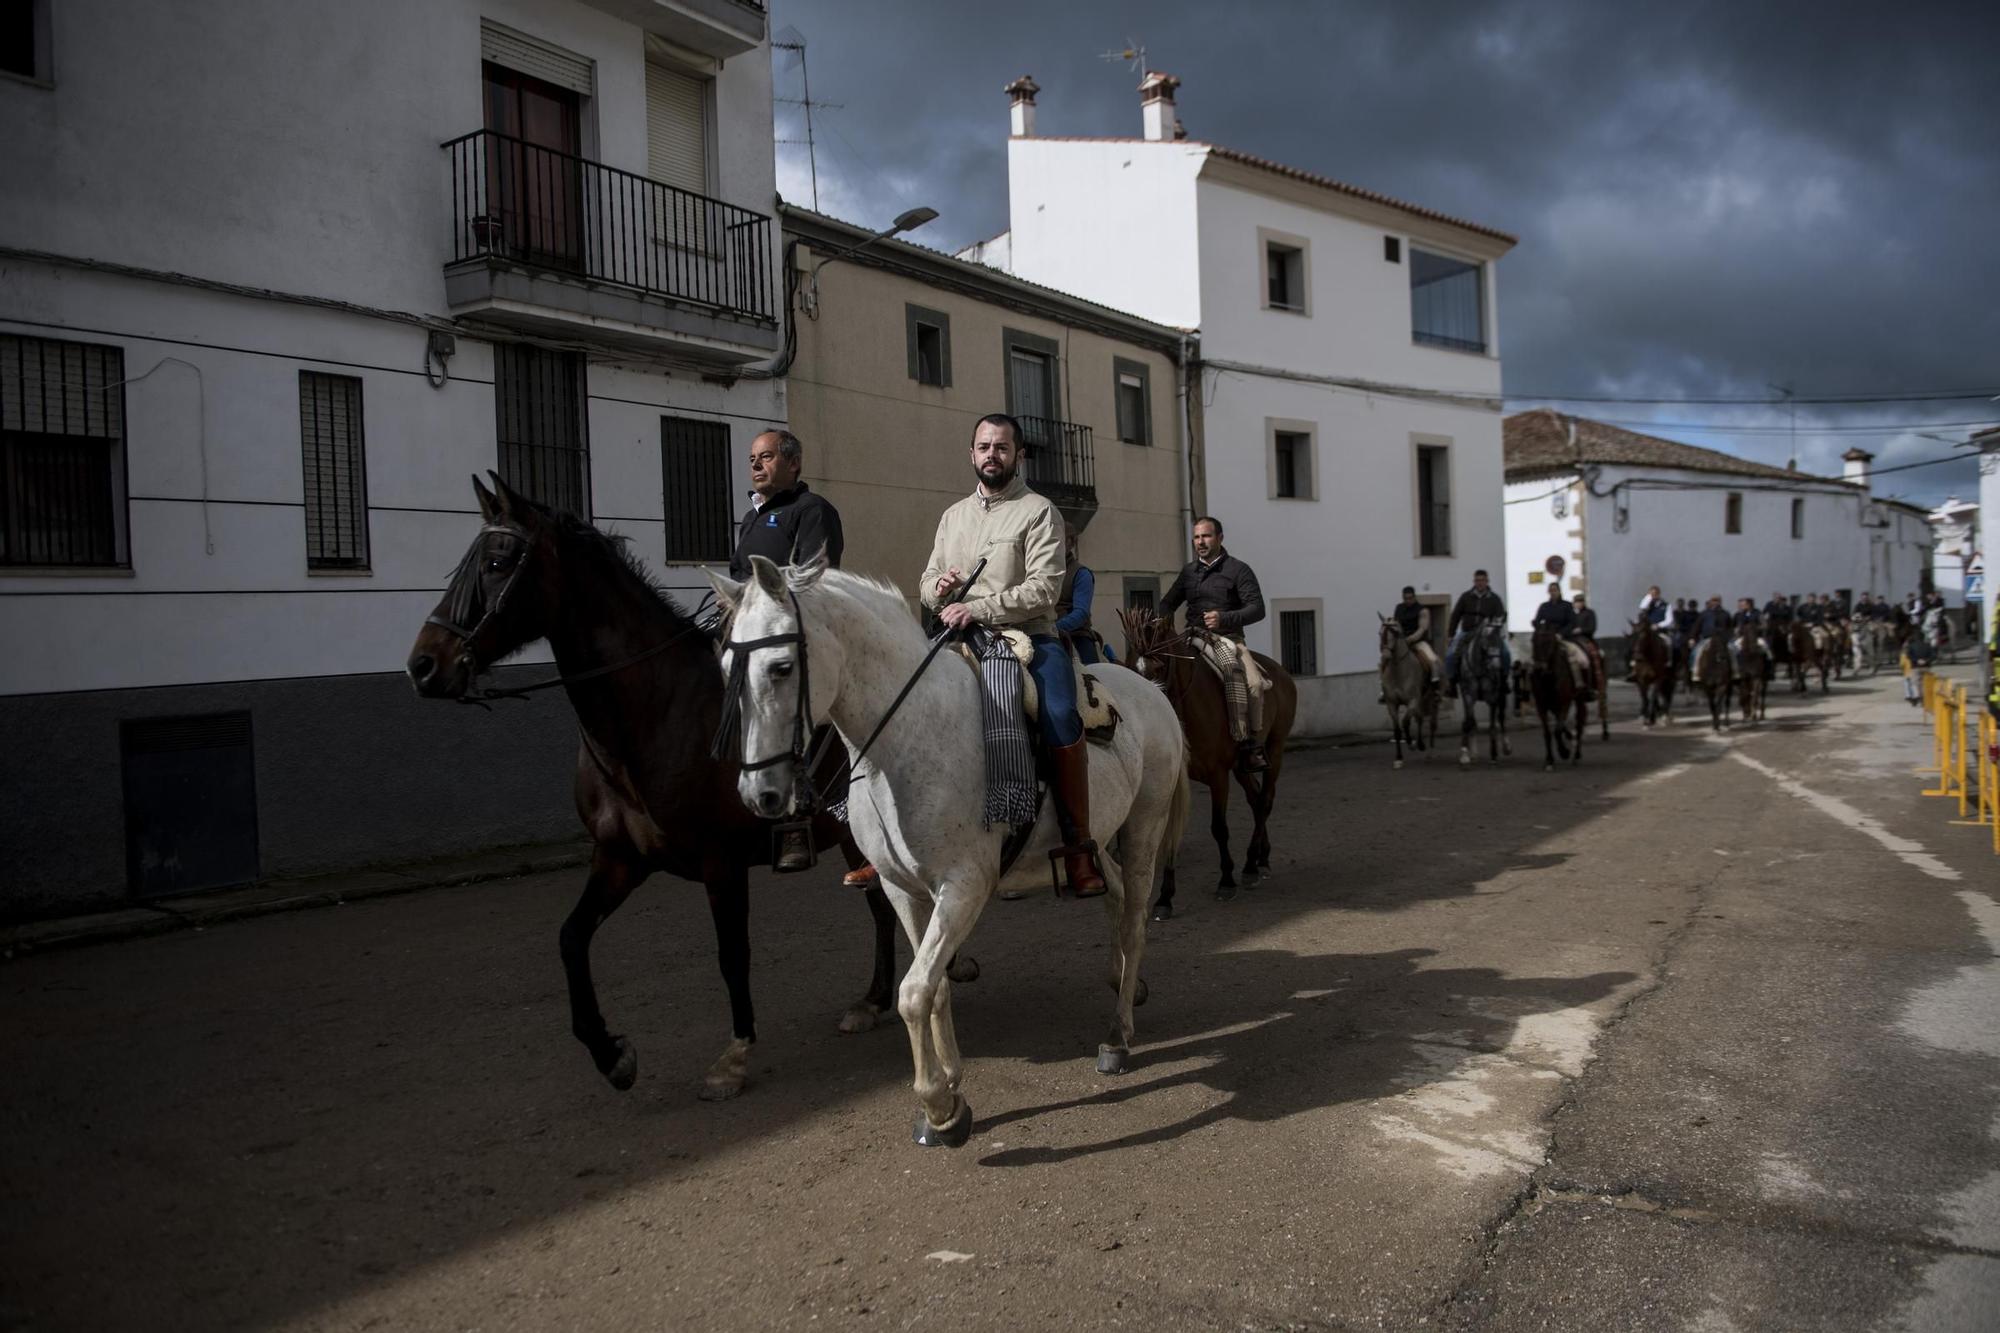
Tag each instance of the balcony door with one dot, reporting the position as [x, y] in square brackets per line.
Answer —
[533, 174]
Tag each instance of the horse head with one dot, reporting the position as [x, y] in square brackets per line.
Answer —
[784, 675]
[500, 596]
[1391, 641]
[1151, 645]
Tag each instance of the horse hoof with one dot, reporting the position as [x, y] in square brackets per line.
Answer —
[1464, 759]
[1111, 1059]
[1224, 892]
[952, 1134]
[624, 1071]
[726, 1077]
[963, 969]
[860, 1017]
[1548, 768]
[1397, 764]
[1163, 911]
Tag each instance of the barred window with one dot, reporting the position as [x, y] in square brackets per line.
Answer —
[62, 453]
[544, 453]
[694, 475]
[336, 471]
[1298, 646]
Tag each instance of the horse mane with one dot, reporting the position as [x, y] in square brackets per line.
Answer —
[615, 548]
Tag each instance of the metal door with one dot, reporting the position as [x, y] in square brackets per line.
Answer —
[190, 803]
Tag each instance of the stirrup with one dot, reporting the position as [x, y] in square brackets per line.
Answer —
[1059, 878]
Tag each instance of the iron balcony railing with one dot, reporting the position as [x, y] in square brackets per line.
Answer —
[522, 203]
[1060, 461]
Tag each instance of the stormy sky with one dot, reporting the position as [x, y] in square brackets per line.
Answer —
[1712, 196]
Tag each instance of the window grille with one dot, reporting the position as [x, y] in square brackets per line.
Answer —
[1298, 646]
[694, 473]
[1294, 464]
[62, 453]
[336, 473]
[1447, 302]
[1433, 499]
[540, 403]
[1732, 513]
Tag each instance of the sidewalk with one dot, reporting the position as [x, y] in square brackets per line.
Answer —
[196, 911]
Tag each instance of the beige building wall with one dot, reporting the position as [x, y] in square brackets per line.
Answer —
[892, 453]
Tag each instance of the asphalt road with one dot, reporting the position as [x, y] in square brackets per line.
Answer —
[1700, 1035]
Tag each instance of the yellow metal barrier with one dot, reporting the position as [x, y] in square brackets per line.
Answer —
[1989, 774]
[1950, 728]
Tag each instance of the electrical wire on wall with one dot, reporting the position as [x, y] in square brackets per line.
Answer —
[201, 433]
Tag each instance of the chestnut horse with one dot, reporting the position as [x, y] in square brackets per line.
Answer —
[1810, 647]
[1653, 672]
[1175, 663]
[1558, 694]
[1750, 682]
[643, 679]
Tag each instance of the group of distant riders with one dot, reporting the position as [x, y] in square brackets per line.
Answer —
[1918, 625]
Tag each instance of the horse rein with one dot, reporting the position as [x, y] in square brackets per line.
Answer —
[463, 596]
[806, 758]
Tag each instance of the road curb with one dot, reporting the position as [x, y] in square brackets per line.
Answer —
[201, 910]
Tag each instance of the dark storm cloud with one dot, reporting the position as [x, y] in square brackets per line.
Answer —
[1711, 197]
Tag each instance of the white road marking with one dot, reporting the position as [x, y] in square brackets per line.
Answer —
[1910, 852]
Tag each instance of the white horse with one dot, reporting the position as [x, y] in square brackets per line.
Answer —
[916, 800]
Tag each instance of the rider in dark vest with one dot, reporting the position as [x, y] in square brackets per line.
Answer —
[1475, 605]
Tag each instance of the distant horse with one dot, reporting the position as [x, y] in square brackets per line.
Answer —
[1408, 690]
[1558, 695]
[647, 692]
[1481, 678]
[1653, 672]
[1712, 673]
[1839, 647]
[1175, 663]
[1751, 680]
[1810, 652]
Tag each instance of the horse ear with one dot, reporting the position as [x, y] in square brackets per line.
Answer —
[489, 507]
[728, 592]
[511, 502]
[769, 577]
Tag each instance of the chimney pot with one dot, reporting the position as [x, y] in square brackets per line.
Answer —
[1156, 105]
[1854, 467]
[1021, 106]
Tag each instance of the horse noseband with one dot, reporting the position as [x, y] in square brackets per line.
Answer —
[732, 706]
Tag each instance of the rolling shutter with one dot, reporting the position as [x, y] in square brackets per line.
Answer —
[531, 55]
[676, 128]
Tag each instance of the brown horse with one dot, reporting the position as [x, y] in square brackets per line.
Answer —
[1713, 672]
[1558, 694]
[1750, 681]
[643, 679]
[1653, 672]
[1175, 663]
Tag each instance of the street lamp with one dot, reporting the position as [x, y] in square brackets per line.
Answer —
[909, 220]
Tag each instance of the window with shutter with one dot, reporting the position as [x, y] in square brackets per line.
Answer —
[62, 453]
[336, 476]
[676, 128]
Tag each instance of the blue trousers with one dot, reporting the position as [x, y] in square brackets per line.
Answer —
[1055, 680]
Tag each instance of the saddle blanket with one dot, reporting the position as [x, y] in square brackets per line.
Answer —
[1012, 797]
[1100, 719]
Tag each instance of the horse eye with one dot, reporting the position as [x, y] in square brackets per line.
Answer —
[781, 669]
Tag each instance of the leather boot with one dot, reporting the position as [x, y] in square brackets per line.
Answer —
[1069, 767]
[793, 848]
[1250, 756]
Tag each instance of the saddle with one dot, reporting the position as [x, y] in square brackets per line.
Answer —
[1212, 647]
[1100, 717]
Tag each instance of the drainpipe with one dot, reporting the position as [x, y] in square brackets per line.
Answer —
[1183, 389]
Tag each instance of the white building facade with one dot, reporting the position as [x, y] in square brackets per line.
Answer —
[274, 282]
[1347, 390]
[1609, 513]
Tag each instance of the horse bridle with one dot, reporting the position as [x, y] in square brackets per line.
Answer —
[463, 597]
[732, 707]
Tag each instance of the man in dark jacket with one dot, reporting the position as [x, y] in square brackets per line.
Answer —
[1222, 596]
[1560, 616]
[786, 522]
[789, 524]
[1475, 605]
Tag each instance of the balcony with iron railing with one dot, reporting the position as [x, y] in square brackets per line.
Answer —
[546, 241]
[1060, 462]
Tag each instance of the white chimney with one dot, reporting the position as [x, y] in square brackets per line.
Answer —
[1156, 106]
[1854, 467]
[1022, 110]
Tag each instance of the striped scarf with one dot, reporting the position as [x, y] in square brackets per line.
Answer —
[1011, 788]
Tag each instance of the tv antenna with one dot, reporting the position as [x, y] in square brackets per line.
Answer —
[1133, 54]
[791, 41]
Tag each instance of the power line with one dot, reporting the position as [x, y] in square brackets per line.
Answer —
[1927, 396]
[1809, 428]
